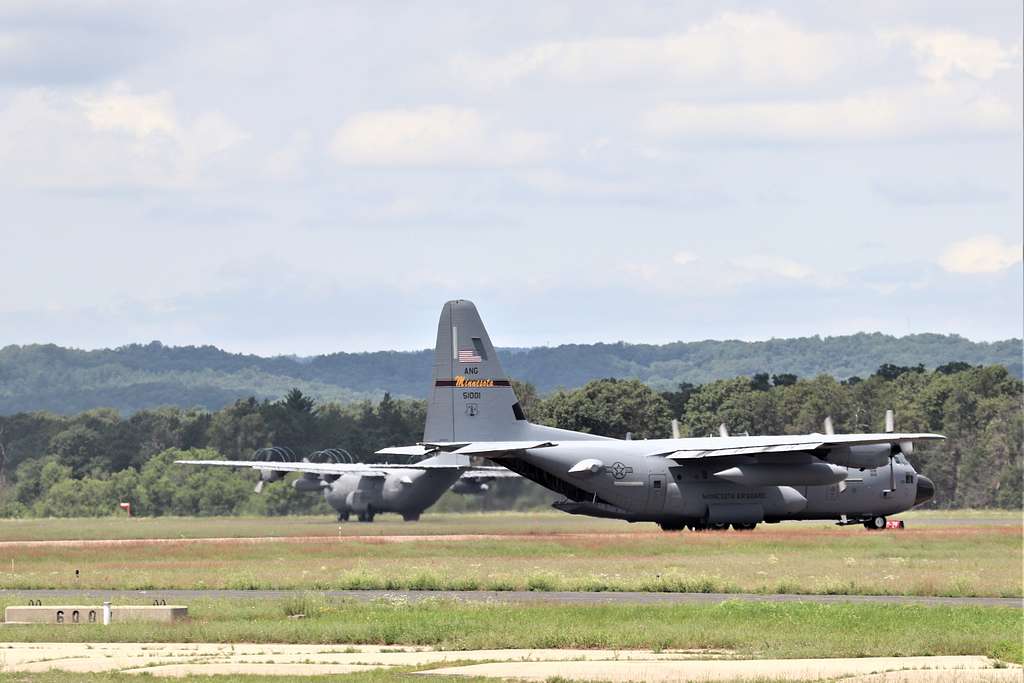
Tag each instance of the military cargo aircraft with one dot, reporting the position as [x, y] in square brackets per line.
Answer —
[695, 483]
[364, 490]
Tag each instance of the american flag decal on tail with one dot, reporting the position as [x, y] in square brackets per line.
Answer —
[466, 356]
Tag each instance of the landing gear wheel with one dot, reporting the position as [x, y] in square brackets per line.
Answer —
[671, 526]
[697, 526]
[875, 523]
[719, 527]
[411, 517]
[744, 527]
[342, 516]
[367, 515]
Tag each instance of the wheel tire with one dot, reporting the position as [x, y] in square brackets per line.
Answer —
[671, 526]
[744, 527]
[413, 517]
[342, 516]
[719, 527]
[876, 523]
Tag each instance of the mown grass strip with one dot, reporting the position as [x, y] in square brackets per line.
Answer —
[748, 629]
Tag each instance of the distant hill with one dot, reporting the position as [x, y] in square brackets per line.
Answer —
[129, 378]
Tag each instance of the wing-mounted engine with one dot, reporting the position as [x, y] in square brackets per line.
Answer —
[313, 482]
[272, 453]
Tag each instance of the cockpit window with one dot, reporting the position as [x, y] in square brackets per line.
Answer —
[901, 459]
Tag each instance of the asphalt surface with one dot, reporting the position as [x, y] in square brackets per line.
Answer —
[558, 597]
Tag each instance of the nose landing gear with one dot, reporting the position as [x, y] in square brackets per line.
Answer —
[875, 523]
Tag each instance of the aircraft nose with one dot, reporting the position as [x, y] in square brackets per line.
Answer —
[925, 490]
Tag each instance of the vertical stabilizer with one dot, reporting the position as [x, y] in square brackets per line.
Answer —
[471, 398]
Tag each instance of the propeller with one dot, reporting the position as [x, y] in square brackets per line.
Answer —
[723, 430]
[675, 429]
[827, 424]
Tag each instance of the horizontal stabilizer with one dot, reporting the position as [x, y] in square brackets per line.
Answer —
[489, 473]
[329, 468]
[492, 449]
[412, 451]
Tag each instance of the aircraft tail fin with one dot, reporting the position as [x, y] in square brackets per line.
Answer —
[471, 397]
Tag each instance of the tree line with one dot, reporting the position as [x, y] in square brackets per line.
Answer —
[141, 376]
[52, 465]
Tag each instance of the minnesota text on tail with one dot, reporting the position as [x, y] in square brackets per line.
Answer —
[693, 482]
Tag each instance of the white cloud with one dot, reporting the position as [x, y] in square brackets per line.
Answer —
[681, 258]
[985, 254]
[435, 135]
[759, 48]
[942, 54]
[287, 161]
[905, 112]
[140, 115]
[105, 138]
[774, 266]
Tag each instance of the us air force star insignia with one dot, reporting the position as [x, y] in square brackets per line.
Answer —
[619, 470]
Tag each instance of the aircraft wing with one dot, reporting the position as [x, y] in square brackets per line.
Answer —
[755, 446]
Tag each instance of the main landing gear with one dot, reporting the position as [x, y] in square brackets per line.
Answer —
[367, 515]
[703, 526]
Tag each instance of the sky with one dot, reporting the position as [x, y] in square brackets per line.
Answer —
[311, 177]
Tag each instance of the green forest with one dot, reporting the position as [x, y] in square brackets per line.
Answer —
[140, 376]
[85, 464]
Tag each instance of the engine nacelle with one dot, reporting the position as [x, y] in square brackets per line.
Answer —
[309, 483]
[866, 457]
[780, 474]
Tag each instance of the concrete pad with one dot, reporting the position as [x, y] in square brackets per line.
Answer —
[715, 670]
[179, 659]
[1015, 675]
[178, 670]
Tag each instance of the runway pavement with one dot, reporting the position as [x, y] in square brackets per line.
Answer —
[561, 597]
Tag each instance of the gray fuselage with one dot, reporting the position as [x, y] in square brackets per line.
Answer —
[632, 485]
[405, 492]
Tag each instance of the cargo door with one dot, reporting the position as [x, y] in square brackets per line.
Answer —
[656, 495]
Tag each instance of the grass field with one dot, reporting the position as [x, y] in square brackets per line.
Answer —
[535, 523]
[778, 630]
[941, 553]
